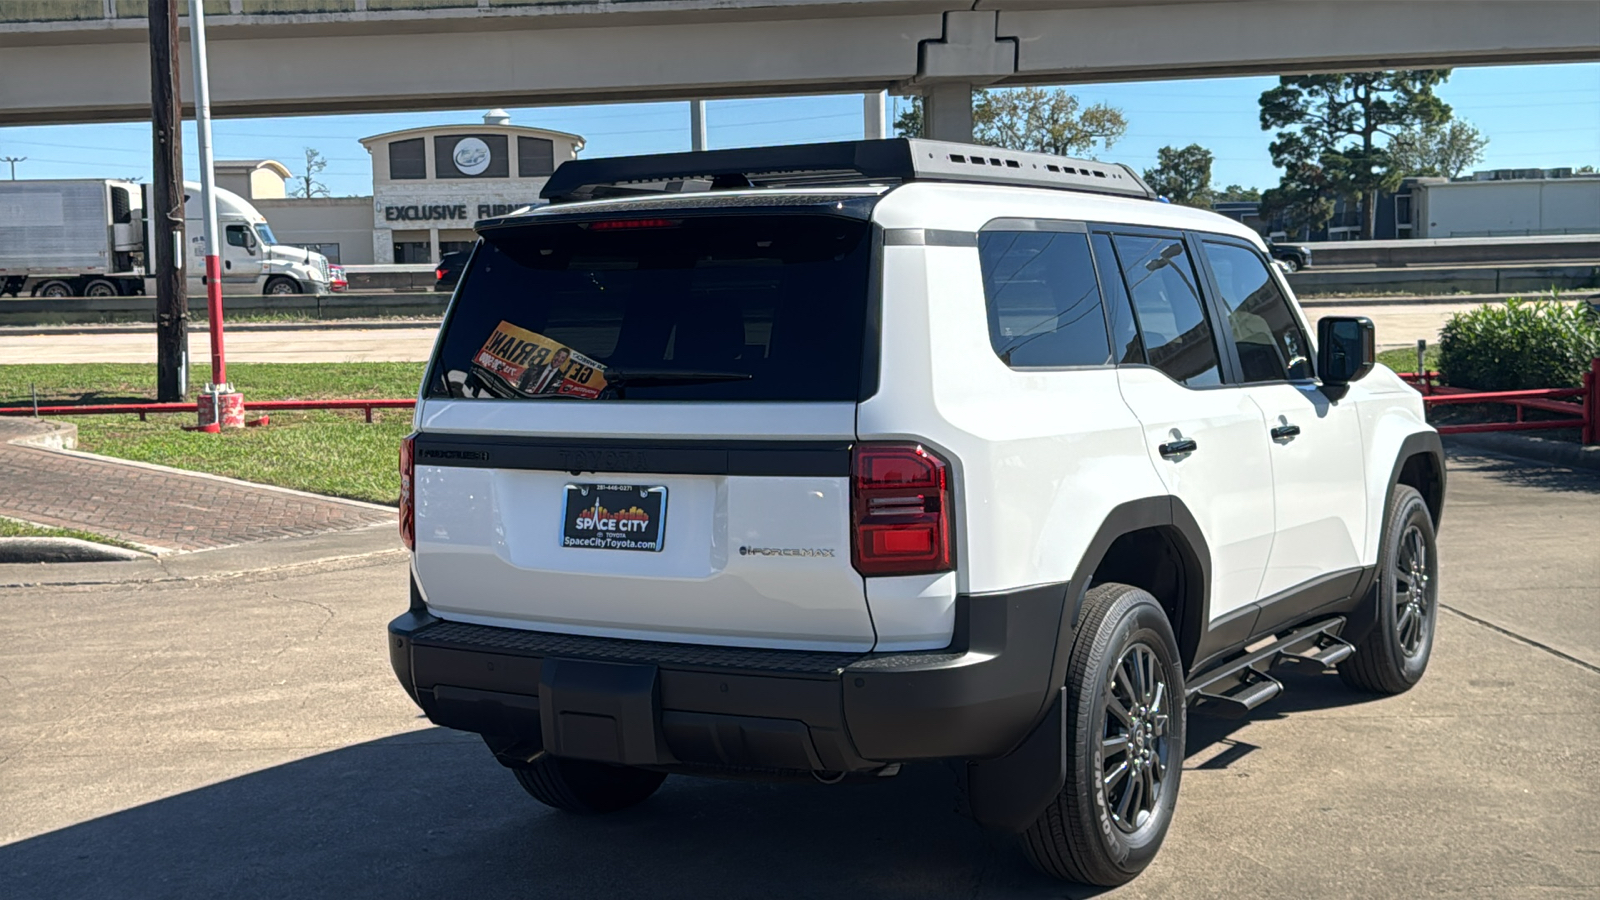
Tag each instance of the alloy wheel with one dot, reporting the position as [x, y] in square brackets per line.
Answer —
[1411, 591]
[1135, 751]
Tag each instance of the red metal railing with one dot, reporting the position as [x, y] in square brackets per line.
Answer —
[144, 409]
[1579, 407]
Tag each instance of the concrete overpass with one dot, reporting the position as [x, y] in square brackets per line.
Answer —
[65, 61]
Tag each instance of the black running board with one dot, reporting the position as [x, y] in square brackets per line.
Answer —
[1242, 684]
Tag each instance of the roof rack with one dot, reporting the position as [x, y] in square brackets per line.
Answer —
[895, 160]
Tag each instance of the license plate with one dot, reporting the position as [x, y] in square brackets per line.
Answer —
[614, 517]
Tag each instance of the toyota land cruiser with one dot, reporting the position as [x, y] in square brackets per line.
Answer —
[815, 461]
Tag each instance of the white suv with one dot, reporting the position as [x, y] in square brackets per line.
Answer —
[820, 460]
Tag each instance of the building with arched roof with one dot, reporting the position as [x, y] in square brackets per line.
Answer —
[430, 184]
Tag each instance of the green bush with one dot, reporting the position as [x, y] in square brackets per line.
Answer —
[1519, 345]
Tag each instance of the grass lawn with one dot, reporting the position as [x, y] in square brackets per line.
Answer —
[325, 452]
[1405, 358]
[14, 528]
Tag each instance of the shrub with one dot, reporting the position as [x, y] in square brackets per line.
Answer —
[1519, 345]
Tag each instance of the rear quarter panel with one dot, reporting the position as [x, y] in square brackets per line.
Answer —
[1041, 457]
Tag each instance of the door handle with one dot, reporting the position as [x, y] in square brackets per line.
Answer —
[1178, 448]
[1285, 432]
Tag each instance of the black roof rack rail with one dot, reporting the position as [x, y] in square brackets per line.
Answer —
[890, 161]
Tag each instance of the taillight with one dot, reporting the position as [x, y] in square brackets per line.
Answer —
[438, 274]
[900, 510]
[408, 502]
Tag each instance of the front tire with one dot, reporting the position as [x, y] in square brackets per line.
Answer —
[586, 788]
[1394, 654]
[1125, 709]
[281, 286]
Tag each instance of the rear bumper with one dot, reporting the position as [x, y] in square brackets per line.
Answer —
[662, 704]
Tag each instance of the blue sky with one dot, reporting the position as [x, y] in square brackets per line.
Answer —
[1535, 116]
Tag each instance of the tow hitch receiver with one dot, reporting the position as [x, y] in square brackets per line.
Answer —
[606, 712]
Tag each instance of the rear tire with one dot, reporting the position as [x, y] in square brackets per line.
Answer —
[1394, 654]
[101, 288]
[1125, 710]
[586, 788]
[55, 289]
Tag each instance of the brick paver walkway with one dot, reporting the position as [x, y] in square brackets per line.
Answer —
[160, 509]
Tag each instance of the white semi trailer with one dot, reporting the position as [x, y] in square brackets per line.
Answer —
[91, 238]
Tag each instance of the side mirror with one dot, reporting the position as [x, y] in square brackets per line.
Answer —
[1346, 346]
[250, 241]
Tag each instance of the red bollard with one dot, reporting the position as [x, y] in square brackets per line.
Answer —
[1591, 404]
[220, 407]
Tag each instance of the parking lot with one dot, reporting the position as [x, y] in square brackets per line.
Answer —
[243, 736]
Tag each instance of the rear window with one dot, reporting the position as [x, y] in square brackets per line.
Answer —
[723, 308]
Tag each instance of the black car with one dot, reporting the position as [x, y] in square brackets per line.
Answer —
[1296, 258]
[449, 270]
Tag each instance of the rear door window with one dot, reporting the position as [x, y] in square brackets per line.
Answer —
[726, 308]
[1166, 300]
[1043, 299]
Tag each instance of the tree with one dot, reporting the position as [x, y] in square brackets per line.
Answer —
[1234, 193]
[309, 185]
[1303, 200]
[1446, 148]
[1333, 124]
[1182, 176]
[1044, 120]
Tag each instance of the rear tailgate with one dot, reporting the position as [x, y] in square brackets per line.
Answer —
[643, 432]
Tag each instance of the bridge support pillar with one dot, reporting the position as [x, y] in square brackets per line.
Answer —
[947, 112]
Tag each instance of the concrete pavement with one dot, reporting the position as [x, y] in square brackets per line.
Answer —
[242, 736]
[1397, 326]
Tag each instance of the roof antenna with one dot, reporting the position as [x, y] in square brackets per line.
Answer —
[729, 181]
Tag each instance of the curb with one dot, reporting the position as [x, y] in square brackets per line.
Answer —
[1561, 453]
[33, 550]
[361, 546]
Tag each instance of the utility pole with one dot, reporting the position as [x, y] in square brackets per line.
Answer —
[697, 125]
[13, 160]
[875, 115]
[167, 246]
[220, 407]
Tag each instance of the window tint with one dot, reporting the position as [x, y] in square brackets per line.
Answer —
[1271, 345]
[1044, 303]
[1125, 344]
[1161, 280]
[536, 157]
[407, 160]
[235, 235]
[736, 308]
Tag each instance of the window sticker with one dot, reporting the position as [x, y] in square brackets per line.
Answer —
[515, 362]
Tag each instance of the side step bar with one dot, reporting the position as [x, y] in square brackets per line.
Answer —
[1242, 684]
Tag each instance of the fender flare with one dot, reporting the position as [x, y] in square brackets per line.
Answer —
[1010, 792]
[1365, 614]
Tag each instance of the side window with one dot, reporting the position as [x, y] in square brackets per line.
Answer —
[1177, 338]
[1271, 345]
[1043, 299]
[1126, 347]
[235, 235]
